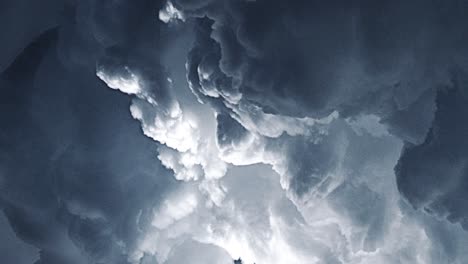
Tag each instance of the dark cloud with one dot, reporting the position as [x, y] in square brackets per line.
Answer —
[78, 179]
[310, 58]
[12, 249]
[433, 175]
[324, 93]
[22, 21]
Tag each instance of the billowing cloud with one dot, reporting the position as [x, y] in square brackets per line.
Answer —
[306, 60]
[76, 172]
[146, 132]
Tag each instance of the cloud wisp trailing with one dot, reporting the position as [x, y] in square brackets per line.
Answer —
[203, 131]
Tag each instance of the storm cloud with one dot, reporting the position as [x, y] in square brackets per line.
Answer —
[211, 130]
[399, 61]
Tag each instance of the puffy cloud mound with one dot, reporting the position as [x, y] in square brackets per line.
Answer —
[310, 58]
[389, 59]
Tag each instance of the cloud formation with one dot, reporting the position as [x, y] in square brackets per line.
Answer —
[76, 173]
[146, 131]
[301, 60]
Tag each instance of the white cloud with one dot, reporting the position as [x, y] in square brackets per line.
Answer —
[127, 82]
[170, 13]
[174, 208]
[184, 151]
[167, 126]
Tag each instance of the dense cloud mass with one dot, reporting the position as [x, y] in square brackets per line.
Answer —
[203, 131]
[389, 59]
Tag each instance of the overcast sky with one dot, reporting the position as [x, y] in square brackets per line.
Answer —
[203, 131]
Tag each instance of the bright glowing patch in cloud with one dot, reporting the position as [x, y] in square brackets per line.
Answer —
[170, 13]
[169, 127]
[174, 209]
[127, 82]
[185, 152]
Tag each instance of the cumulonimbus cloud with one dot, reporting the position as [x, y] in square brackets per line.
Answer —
[283, 152]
